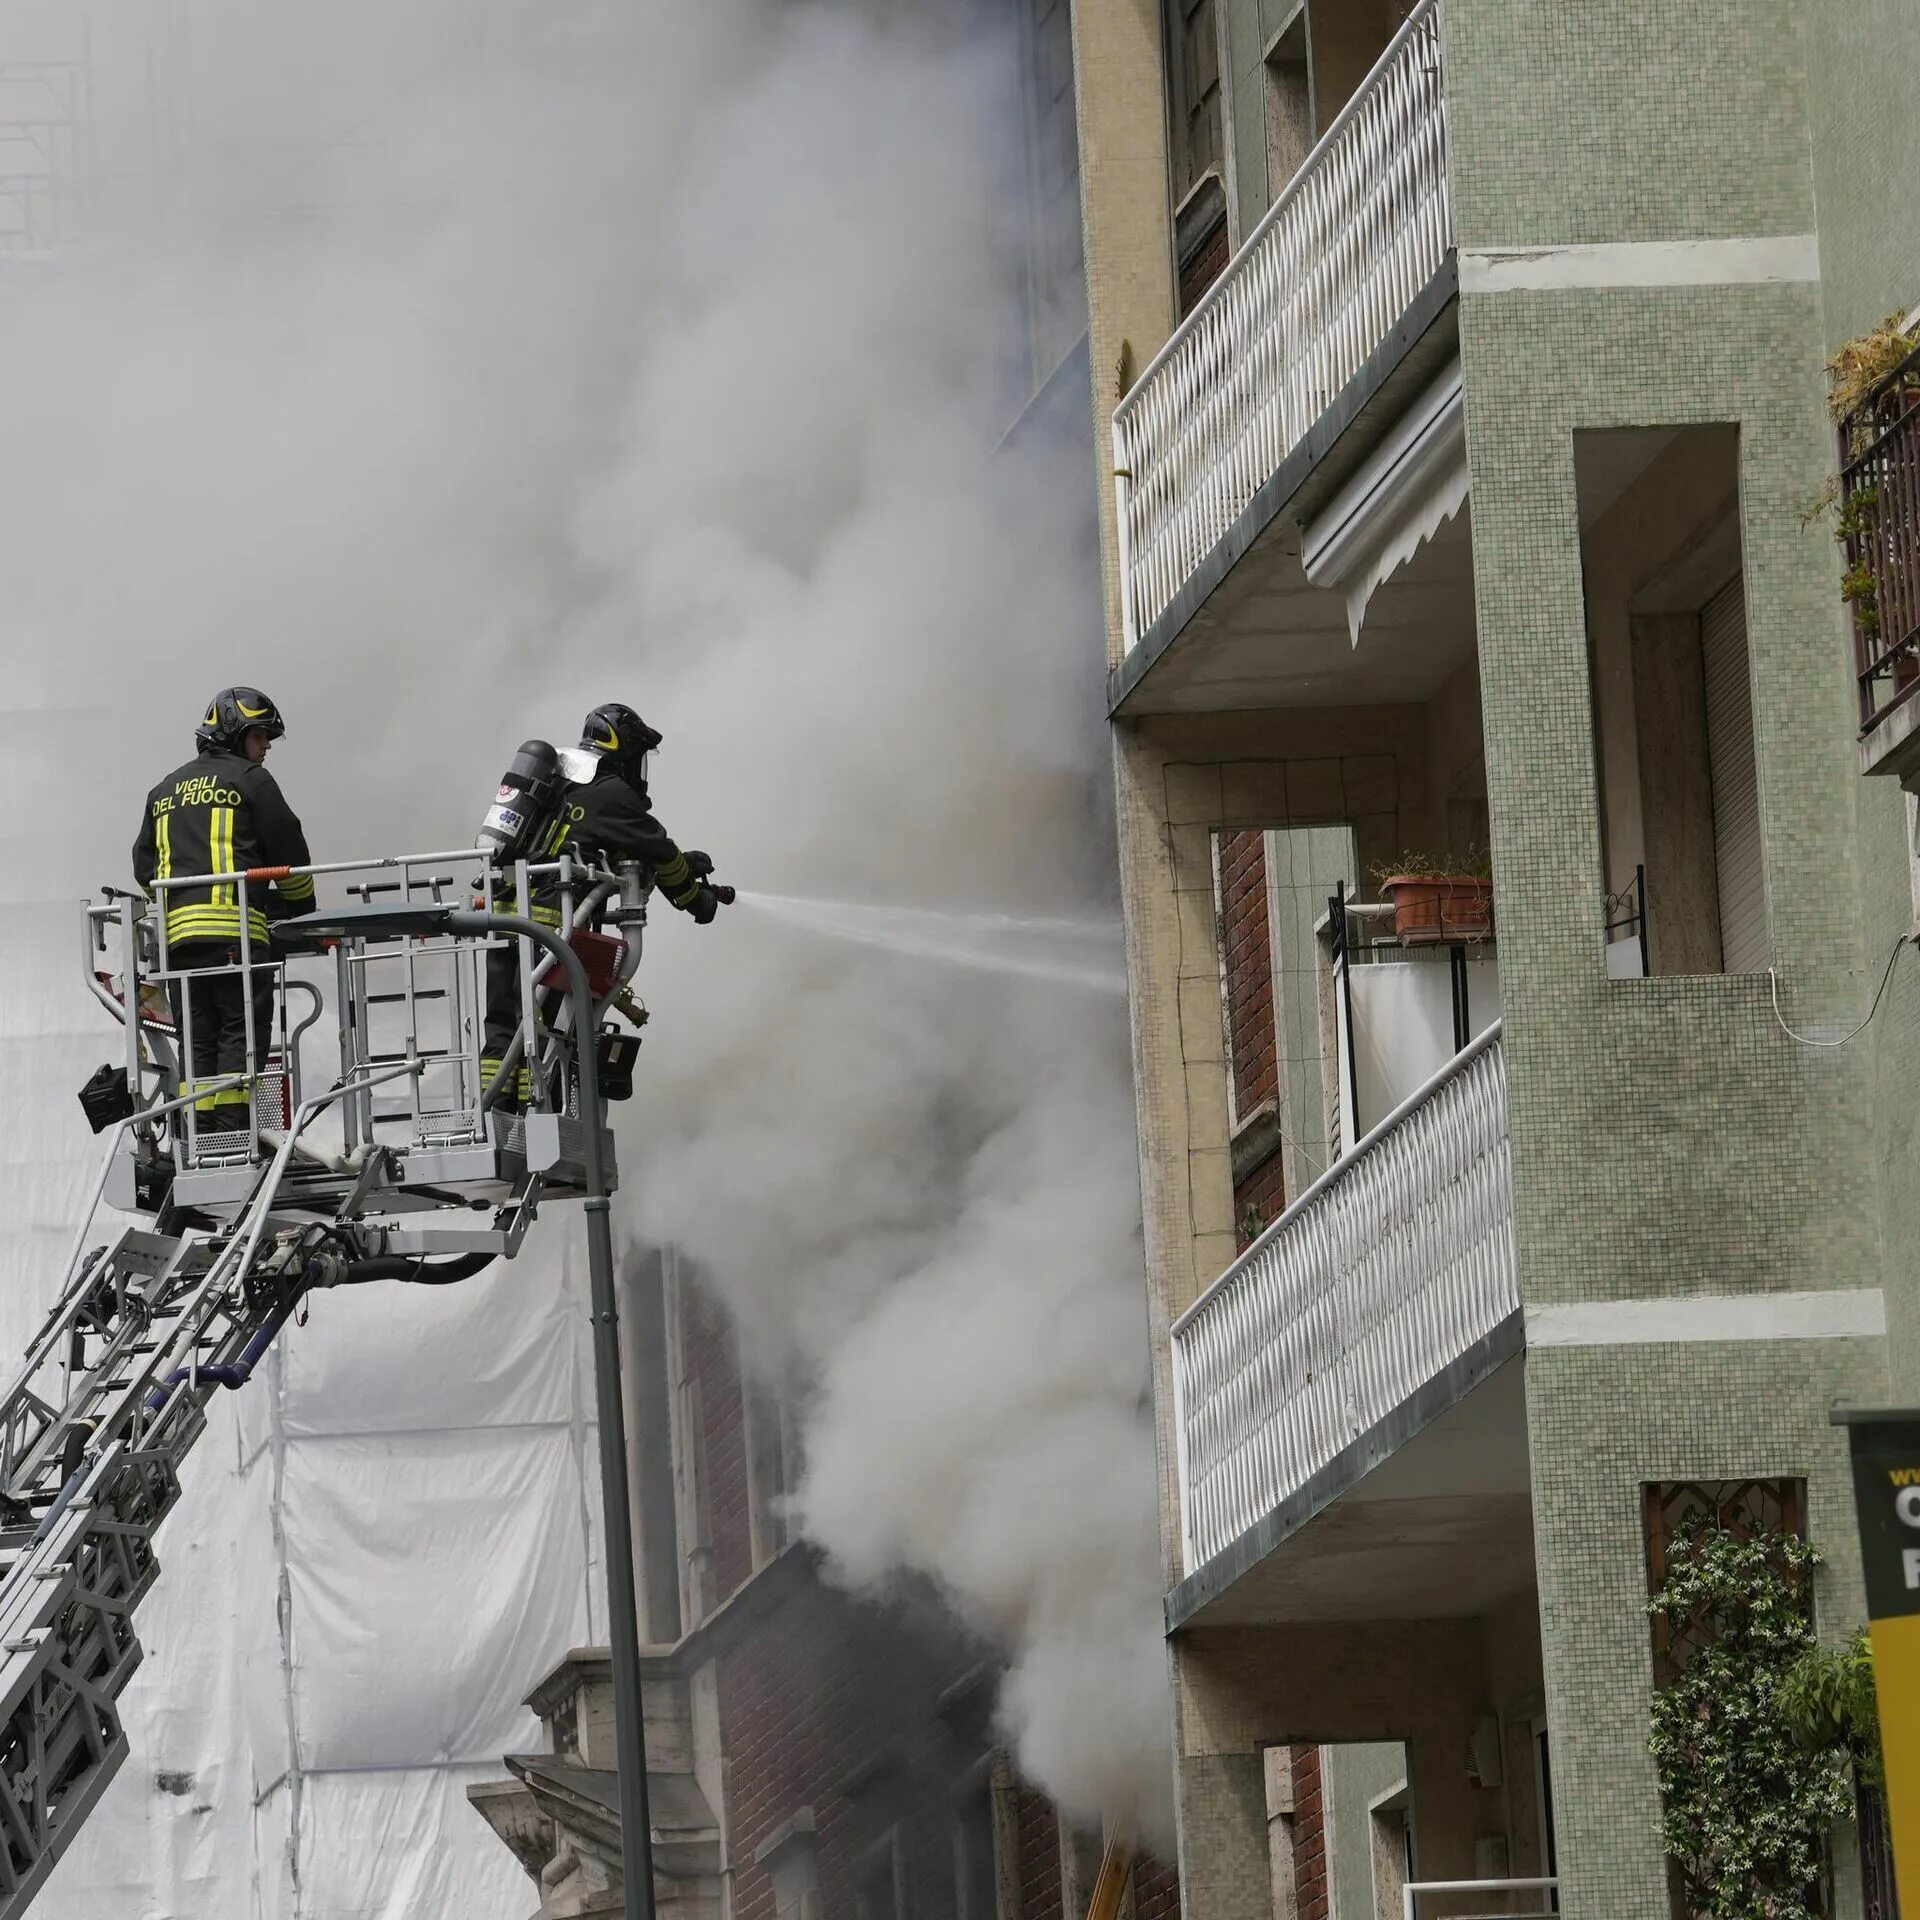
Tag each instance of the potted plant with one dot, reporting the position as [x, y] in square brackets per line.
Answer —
[1438, 900]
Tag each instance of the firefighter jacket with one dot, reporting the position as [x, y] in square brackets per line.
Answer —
[221, 813]
[609, 818]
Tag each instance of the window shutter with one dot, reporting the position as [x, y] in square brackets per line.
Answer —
[1741, 878]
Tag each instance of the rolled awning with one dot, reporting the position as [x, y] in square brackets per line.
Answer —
[1405, 491]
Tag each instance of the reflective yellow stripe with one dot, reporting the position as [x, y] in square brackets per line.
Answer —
[209, 922]
[217, 861]
[222, 916]
[299, 888]
[677, 880]
[202, 1102]
[163, 832]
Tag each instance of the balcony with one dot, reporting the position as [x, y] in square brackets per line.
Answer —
[1880, 524]
[1320, 308]
[1365, 1317]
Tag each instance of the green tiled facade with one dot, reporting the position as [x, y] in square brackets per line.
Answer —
[1669, 1137]
[1861, 56]
[1860, 61]
[1653, 120]
[1602, 1421]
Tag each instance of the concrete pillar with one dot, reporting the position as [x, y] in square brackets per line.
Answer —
[1225, 1870]
[1120, 95]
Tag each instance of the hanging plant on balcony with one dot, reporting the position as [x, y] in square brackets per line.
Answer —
[1852, 375]
[1830, 1704]
[1871, 389]
[1746, 1805]
[1862, 364]
[1438, 899]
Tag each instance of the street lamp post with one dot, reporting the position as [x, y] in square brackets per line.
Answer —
[629, 1725]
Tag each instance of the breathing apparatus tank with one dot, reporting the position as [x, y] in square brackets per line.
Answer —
[523, 804]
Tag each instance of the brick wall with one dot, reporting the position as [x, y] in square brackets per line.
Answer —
[834, 1704]
[1156, 1890]
[711, 1359]
[1249, 968]
[829, 1702]
[1309, 1837]
[1037, 1849]
[1252, 1054]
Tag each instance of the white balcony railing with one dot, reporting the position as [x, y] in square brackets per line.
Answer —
[1385, 1271]
[1318, 284]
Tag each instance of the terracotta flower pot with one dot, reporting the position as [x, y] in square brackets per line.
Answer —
[1434, 908]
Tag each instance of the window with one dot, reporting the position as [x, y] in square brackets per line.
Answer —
[792, 1862]
[1197, 143]
[1913, 855]
[647, 1373]
[692, 1513]
[772, 1466]
[878, 1892]
[975, 1856]
[1057, 295]
[1742, 1507]
[1672, 684]
[1194, 77]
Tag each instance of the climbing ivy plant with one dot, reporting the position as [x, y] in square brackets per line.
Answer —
[1746, 1806]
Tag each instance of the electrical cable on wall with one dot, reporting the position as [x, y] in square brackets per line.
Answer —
[1806, 1040]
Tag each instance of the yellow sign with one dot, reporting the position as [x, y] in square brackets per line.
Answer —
[1886, 1491]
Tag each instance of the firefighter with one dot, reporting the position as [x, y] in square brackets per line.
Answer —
[607, 816]
[223, 812]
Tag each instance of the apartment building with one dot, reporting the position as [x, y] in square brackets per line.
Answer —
[1512, 836]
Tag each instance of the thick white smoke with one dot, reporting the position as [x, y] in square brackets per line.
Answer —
[658, 353]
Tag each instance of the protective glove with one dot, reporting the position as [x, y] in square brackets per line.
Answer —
[706, 903]
[698, 864]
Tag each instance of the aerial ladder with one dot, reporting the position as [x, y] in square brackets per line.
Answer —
[196, 1246]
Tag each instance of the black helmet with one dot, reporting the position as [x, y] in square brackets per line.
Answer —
[232, 714]
[618, 734]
